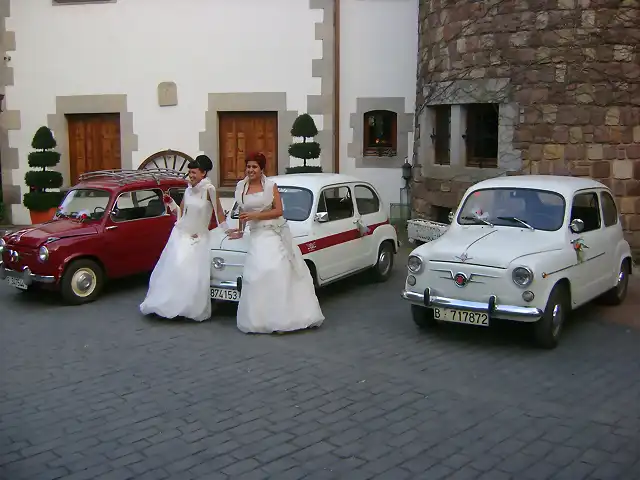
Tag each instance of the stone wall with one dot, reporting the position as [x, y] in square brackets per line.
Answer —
[572, 67]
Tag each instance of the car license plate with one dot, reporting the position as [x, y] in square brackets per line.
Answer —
[461, 316]
[226, 294]
[17, 282]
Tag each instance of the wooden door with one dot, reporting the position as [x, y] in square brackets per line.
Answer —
[94, 143]
[241, 133]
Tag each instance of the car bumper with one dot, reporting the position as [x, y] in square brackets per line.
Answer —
[26, 275]
[493, 308]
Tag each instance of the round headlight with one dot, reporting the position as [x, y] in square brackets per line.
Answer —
[43, 254]
[2, 245]
[522, 276]
[414, 263]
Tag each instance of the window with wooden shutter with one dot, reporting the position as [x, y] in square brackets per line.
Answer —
[481, 137]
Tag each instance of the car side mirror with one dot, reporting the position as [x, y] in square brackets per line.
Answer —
[450, 216]
[322, 217]
[576, 225]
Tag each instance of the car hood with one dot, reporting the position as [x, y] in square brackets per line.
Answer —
[218, 240]
[492, 247]
[62, 228]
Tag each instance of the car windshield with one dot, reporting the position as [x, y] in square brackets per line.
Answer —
[296, 203]
[90, 202]
[514, 207]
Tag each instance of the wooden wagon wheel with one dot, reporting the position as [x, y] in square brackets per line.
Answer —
[171, 159]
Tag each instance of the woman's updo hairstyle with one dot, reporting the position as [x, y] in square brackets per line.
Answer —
[257, 157]
[201, 162]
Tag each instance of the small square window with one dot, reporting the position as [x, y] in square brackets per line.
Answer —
[380, 134]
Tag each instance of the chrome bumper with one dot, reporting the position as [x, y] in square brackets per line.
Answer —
[492, 308]
[26, 275]
[229, 284]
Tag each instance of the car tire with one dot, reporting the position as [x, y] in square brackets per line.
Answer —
[548, 329]
[617, 294]
[383, 268]
[82, 282]
[423, 317]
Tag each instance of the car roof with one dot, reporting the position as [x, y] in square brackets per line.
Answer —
[314, 181]
[564, 185]
[130, 179]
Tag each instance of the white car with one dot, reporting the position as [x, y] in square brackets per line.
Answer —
[339, 223]
[524, 248]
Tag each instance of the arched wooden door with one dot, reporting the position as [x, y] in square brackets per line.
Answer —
[171, 159]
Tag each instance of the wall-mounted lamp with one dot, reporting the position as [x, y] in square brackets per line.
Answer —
[407, 170]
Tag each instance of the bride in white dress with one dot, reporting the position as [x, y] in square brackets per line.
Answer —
[180, 282]
[278, 294]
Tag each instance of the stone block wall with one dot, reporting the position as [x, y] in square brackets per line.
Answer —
[572, 67]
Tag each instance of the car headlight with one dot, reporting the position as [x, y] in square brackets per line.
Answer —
[414, 263]
[43, 254]
[2, 245]
[522, 276]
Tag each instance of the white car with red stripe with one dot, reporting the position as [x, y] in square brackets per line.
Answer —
[339, 223]
[522, 248]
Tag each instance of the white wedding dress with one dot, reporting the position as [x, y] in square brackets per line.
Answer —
[277, 289]
[180, 282]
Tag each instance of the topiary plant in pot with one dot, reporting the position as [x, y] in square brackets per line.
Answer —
[42, 204]
[304, 127]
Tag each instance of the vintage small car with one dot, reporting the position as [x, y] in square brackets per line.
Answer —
[339, 223]
[522, 248]
[111, 224]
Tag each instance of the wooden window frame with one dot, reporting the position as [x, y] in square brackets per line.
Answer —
[381, 151]
[439, 158]
[471, 160]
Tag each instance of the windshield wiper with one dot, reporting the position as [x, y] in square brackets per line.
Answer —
[477, 219]
[516, 219]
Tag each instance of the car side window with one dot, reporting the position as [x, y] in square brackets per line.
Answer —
[609, 210]
[177, 194]
[366, 200]
[337, 202]
[587, 208]
[137, 205]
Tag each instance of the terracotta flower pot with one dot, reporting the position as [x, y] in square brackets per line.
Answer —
[41, 217]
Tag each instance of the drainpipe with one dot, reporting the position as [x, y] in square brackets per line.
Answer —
[336, 86]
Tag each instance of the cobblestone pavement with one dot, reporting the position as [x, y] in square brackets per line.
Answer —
[99, 392]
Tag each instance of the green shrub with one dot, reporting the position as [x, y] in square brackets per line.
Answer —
[304, 127]
[39, 199]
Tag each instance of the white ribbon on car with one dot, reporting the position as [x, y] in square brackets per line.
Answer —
[362, 228]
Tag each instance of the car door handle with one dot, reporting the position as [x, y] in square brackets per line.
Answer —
[112, 227]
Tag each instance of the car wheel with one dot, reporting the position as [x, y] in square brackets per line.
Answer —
[384, 264]
[82, 282]
[549, 327]
[617, 294]
[423, 317]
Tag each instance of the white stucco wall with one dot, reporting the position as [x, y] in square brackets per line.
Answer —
[379, 47]
[213, 46]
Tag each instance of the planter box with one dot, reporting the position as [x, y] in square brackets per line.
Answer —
[423, 231]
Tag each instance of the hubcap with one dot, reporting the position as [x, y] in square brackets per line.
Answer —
[83, 282]
[622, 284]
[557, 319]
[384, 261]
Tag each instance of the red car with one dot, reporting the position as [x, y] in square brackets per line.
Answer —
[112, 224]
